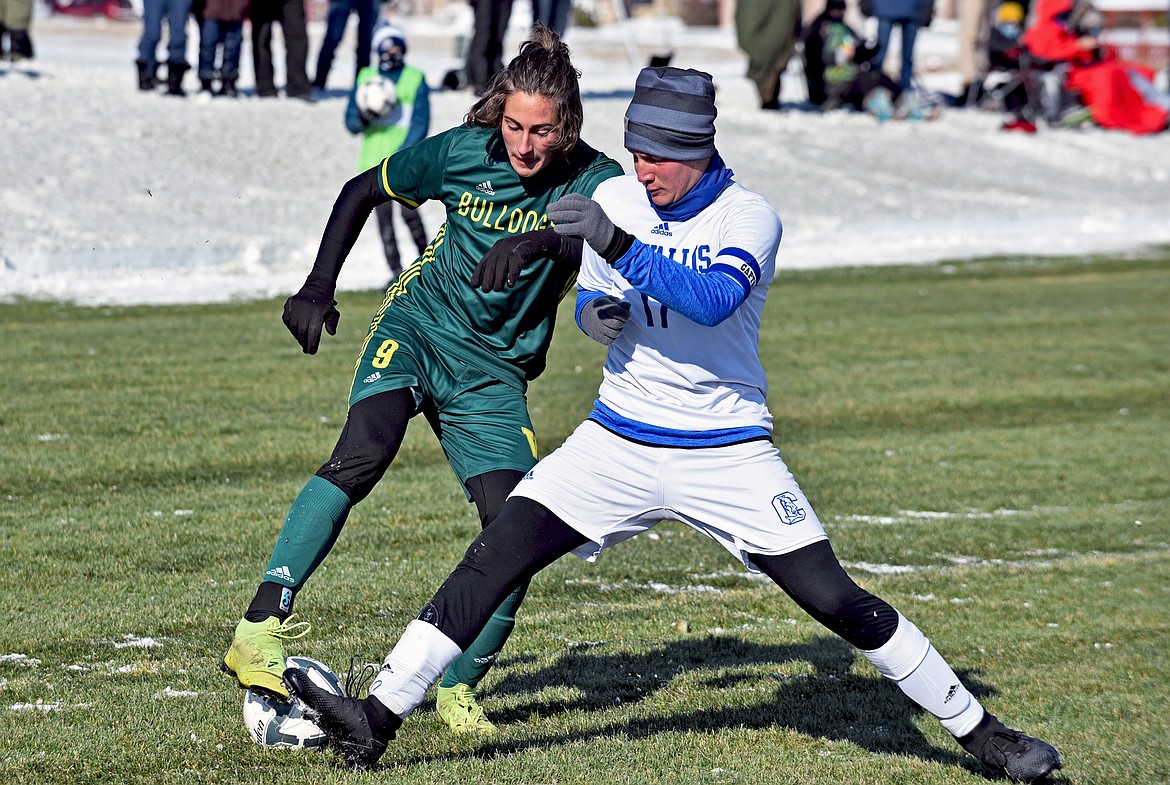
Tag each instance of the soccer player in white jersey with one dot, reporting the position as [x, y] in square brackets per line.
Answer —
[680, 431]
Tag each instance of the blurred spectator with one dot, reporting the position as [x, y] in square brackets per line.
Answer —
[390, 119]
[1117, 93]
[337, 17]
[1019, 90]
[999, 49]
[553, 14]
[221, 37]
[485, 51]
[290, 15]
[973, 30]
[15, 22]
[767, 31]
[907, 15]
[153, 13]
[838, 66]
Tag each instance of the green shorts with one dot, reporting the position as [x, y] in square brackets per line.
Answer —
[482, 423]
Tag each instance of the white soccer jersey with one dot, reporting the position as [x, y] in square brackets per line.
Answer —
[664, 369]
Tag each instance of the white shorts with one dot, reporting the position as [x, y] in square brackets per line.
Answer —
[610, 489]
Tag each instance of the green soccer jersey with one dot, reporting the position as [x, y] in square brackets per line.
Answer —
[504, 334]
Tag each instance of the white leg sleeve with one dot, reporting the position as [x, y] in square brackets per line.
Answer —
[922, 673]
[419, 658]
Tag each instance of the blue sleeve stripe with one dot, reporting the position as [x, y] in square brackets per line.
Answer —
[735, 273]
[746, 272]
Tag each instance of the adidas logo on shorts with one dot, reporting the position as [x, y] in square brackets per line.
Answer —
[373, 377]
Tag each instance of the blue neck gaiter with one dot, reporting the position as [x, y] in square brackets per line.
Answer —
[707, 190]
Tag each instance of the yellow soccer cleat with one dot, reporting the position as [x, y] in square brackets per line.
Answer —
[458, 708]
[256, 656]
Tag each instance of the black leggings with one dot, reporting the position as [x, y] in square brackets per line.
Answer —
[370, 440]
[817, 582]
[527, 537]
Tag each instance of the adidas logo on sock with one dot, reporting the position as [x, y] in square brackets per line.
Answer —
[662, 228]
[373, 377]
[280, 572]
[486, 187]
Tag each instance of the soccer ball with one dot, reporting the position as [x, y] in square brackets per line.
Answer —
[278, 722]
[377, 96]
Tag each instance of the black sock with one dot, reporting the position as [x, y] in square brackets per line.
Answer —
[271, 599]
[973, 741]
[383, 722]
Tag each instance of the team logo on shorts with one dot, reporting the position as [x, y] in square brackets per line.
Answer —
[788, 508]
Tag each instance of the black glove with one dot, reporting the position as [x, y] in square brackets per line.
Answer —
[582, 217]
[307, 310]
[603, 318]
[502, 264]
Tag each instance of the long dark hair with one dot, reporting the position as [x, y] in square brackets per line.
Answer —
[543, 68]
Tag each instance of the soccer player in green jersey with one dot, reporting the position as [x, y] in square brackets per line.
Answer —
[460, 355]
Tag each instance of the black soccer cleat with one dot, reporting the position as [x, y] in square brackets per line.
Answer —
[343, 720]
[1015, 755]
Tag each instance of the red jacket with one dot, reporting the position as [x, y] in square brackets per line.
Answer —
[1098, 75]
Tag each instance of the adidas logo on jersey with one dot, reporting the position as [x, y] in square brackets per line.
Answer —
[280, 573]
[486, 187]
[663, 229]
[373, 377]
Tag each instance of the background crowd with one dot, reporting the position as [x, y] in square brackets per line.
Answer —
[1045, 61]
[1039, 62]
[220, 24]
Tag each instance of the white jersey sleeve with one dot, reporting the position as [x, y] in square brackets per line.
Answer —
[665, 370]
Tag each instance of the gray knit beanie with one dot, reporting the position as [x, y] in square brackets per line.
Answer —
[672, 114]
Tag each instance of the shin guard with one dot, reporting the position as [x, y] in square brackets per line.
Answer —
[418, 659]
[919, 670]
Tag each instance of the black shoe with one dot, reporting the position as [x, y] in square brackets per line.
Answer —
[175, 71]
[1015, 755]
[227, 88]
[455, 79]
[971, 95]
[343, 720]
[147, 77]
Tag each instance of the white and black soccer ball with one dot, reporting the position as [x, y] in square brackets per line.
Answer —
[377, 96]
[280, 722]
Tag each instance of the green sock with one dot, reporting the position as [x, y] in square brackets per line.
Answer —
[309, 531]
[474, 663]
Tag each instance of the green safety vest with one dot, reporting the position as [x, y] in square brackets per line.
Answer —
[385, 136]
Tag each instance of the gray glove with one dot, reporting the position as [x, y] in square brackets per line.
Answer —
[603, 318]
[580, 216]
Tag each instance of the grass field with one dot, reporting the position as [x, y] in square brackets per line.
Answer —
[987, 442]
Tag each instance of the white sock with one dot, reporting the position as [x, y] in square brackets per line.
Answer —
[419, 658]
[920, 671]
